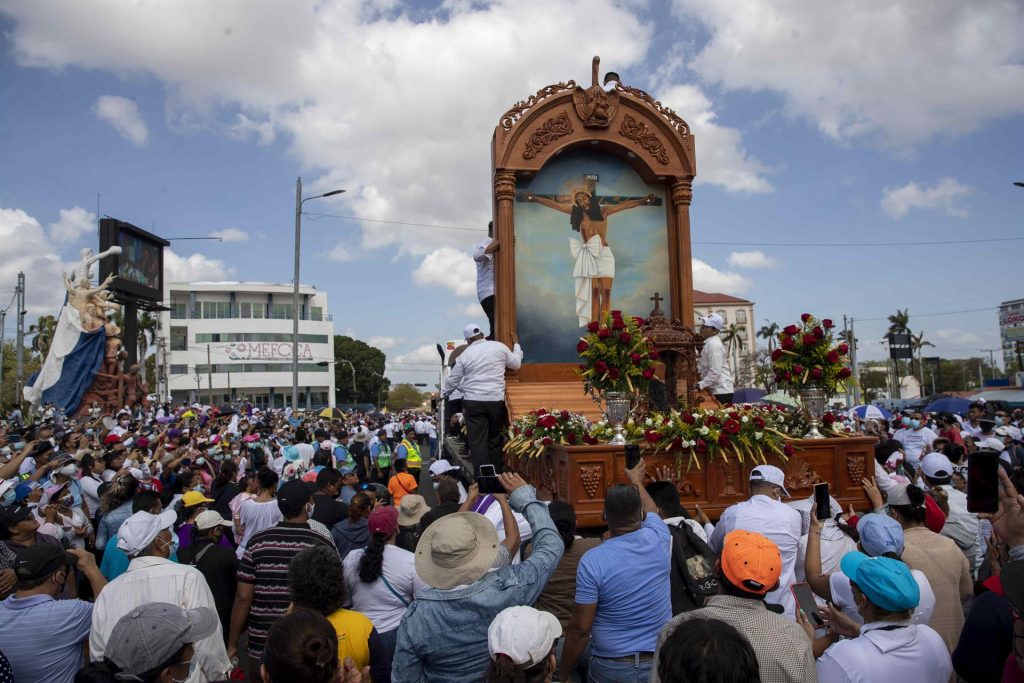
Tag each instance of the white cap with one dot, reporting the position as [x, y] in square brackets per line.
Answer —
[440, 467]
[713, 320]
[327, 445]
[139, 531]
[523, 634]
[1004, 430]
[936, 466]
[991, 443]
[208, 519]
[471, 330]
[770, 474]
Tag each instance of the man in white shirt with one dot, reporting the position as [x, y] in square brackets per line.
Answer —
[479, 373]
[765, 514]
[152, 577]
[961, 525]
[713, 363]
[915, 437]
[483, 254]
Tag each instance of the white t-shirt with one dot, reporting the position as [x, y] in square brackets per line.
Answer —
[255, 516]
[484, 269]
[306, 452]
[842, 597]
[375, 600]
[914, 441]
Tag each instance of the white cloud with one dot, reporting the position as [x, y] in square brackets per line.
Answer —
[903, 70]
[193, 268]
[123, 115]
[381, 342]
[343, 252]
[468, 310]
[421, 355]
[24, 247]
[72, 224]
[898, 201]
[722, 160]
[951, 335]
[448, 268]
[384, 101]
[245, 128]
[231, 235]
[751, 259]
[708, 279]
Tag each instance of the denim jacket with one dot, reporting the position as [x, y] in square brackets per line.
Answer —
[443, 635]
[111, 522]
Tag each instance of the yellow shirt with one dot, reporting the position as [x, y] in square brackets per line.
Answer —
[353, 629]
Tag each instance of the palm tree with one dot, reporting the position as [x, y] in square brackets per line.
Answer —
[732, 337]
[899, 320]
[43, 330]
[147, 325]
[768, 332]
[917, 344]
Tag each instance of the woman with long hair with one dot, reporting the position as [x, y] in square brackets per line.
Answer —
[939, 558]
[116, 506]
[224, 489]
[352, 532]
[382, 579]
[315, 582]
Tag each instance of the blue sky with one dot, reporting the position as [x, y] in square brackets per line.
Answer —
[874, 122]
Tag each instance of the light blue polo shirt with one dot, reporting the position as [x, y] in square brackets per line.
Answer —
[42, 637]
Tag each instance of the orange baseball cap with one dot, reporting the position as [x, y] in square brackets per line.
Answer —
[751, 562]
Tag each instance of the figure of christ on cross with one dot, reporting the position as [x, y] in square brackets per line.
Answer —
[594, 263]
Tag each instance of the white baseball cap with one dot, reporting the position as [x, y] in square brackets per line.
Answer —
[991, 443]
[440, 467]
[770, 474]
[141, 529]
[523, 634]
[936, 466]
[471, 330]
[713, 320]
[208, 519]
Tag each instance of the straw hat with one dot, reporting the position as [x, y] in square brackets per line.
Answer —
[411, 509]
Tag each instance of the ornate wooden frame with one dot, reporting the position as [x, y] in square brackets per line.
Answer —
[623, 121]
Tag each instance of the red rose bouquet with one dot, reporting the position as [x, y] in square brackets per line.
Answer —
[806, 356]
[616, 356]
[530, 434]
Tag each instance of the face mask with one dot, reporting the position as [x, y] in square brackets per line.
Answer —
[18, 445]
[214, 451]
[234, 453]
[6, 450]
[1000, 420]
[436, 485]
[192, 665]
[69, 470]
[309, 509]
[905, 421]
[8, 498]
[200, 461]
[53, 441]
[198, 489]
[915, 424]
[88, 432]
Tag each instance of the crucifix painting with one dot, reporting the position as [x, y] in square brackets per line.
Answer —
[591, 237]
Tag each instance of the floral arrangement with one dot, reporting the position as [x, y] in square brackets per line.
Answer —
[807, 357]
[530, 434]
[616, 356]
[832, 425]
[743, 431]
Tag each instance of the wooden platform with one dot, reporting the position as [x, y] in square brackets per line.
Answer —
[522, 397]
[580, 475]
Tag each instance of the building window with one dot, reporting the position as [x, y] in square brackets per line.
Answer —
[178, 370]
[249, 309]
[316, 313]
[215, 309]
[725, 318]
[179, 310]
[179, 339]
[281, 311]
[741, 316]
[217, 337]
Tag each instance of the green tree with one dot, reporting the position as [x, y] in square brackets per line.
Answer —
[150, 367]
[368, 362]
[917, 344]
[899, 320]
[873, 383]
[768, 333]
[405, 396]
[732, 338]
[9, 393]
[43, 330]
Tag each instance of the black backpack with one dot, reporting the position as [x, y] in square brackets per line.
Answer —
[692, 577]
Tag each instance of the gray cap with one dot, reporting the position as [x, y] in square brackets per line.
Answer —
[149, 635]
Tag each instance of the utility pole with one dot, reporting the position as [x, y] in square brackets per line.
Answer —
[981, 376]
[991, 361]
[853, 364]
[199, 385]
[21, 339]
[209, 375]
[229, 384]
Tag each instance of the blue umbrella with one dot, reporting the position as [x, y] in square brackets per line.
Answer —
[871, 412]
[949, 405]
[748, 395]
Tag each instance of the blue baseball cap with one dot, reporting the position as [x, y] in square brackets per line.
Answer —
[291, 453]
[888, 583]
[346, 470]
[22, 490]
[880, 534]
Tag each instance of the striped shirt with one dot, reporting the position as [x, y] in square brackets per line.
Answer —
[43, 637]
[265, 565]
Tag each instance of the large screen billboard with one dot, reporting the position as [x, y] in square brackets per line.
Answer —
[139, 268]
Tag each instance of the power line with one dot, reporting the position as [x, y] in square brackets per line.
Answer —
[844, 245]
[930, 315]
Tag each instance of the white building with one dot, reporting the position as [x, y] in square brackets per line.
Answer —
[244, 331]
[1011, 333]
[734, 311]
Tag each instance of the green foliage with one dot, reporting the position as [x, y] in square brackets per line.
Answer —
[8, 395]
[368, 362]
[616, 356]
[405, 396]
[43, 330]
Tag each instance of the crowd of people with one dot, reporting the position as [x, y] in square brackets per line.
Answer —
[197, 544]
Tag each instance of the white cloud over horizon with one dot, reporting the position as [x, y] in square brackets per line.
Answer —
[447, 268]
[707, 278]
[751, 259]
[231, 235]
[897, 202]
[194, 268]
[123, 114]
[72, 224]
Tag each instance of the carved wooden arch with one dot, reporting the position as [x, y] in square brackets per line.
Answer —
[623, 121]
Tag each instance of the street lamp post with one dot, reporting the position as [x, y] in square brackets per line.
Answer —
[299, 201]
[325, 363]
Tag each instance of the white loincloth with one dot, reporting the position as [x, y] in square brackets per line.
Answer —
[591, 260]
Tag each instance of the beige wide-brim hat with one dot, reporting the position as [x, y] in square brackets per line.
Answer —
[456, 550]
[411, 509]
